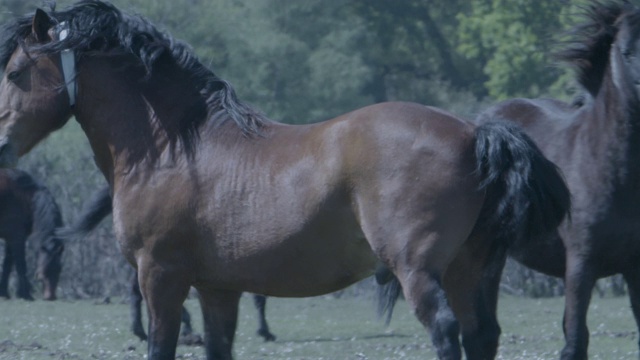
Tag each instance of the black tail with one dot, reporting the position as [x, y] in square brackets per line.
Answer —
[526, 194]
[94, 211]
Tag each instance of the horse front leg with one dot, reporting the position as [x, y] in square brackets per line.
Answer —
[164, 288]
[7, 265]
[24, 287]
[633, 284]
[260, 301]
[579, 283]
[220, 315]
[487, 306]
[135, 305]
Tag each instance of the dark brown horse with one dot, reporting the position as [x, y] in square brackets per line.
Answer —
[29, 214]
[596, 143]
[94, 211]
[209, 193]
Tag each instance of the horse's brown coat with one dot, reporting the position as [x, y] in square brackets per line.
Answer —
[247, 204]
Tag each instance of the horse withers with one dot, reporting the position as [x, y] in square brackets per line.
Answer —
[209, 193]
[29, 215]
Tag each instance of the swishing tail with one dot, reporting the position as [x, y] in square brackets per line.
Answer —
[526, 196]
[94, 211]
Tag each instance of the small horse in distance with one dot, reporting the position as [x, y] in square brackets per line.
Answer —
[29, 214]
[207, 192]
[596, 143]
[94, 211]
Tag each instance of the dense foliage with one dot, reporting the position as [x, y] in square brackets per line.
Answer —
[307, 60]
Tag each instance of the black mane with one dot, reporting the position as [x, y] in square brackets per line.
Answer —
[590, 43]
[97, 26]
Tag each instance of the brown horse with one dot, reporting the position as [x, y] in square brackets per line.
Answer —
[29, 214]
[209, 193]
[596, 143]
[94, 211]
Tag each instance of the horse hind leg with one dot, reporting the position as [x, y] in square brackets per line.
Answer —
[220, 315]
[260, 301]
[633, 284]
[471, 283]
[24, 287]
[424, 293]
[7, 265]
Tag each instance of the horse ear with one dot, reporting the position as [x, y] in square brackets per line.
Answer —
[41, 25]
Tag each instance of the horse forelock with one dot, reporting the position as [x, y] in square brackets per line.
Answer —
[98, 28]
[589, 44]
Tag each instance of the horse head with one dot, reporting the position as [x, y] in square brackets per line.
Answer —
[27, 113]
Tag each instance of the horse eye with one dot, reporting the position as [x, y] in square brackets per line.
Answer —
[13, 76]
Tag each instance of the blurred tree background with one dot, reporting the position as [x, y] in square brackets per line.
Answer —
[305, 61]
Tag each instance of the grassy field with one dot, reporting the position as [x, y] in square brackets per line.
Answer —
[310, 329]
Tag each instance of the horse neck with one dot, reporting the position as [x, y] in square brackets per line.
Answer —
[128, 122]
[615, 109]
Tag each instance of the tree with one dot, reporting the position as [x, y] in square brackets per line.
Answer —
[513, 40]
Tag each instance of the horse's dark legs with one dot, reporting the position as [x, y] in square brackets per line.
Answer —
[24, 287]
[426, 297]
[220, 315]
[487, 336]
[7, 265]
[579, 282]
[135, 305]
[464, 281]
[633, 284]
[185, 318]
[164, 292]
[260, 302]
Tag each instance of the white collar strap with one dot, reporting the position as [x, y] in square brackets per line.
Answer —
[68, 65]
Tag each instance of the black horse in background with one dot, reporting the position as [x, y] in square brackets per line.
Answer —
[95, 210]
[596, 144]
[29, 214]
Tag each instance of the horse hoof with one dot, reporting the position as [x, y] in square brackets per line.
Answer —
[266, 335]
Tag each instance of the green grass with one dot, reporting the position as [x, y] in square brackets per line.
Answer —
[311, 329]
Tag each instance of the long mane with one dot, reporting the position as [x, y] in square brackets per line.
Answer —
[96, 27]
[589, 44]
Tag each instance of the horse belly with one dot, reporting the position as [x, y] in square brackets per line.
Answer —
[309, 263]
